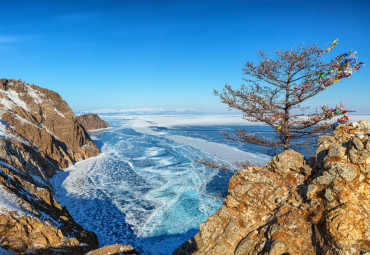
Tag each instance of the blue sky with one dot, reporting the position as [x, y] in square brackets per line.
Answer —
[171, 54]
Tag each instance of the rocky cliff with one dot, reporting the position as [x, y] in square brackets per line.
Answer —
[91, 121]
[39, 134]
[296, 206]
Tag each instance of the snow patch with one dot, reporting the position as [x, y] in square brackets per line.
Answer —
[35, 95]
[7, 103]
[87, 147]
[9, 202]
[59, 113]
[4, 133]
[14, 99]
[47, 130]
[23, 120]
[36, 178]
[3, 125]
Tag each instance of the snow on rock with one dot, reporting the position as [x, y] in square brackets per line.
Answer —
[23, 120]
[4, 133]
[59, 113]
[14, 99]
[35, 95]
[6, 103]
[9, 202]
[10, 167]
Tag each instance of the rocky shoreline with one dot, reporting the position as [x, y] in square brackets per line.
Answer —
[297, 206]
[39, 134]
[293, 205]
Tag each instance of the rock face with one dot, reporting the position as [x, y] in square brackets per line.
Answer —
[39, 134]
[44, 119]
[296, 206]
[91, 121]
[114, 249]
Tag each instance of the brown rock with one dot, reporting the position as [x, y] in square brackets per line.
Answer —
[113, 249]
[43, 118]
[266, 212]
[42, 135]
[358, 143]
[288, 160]
[91, 121]
[365, 125]
[336, 152]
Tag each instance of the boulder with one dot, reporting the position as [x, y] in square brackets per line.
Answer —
[91, 121]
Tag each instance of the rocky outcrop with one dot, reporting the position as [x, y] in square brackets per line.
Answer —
[43, 118]
[91, 121]
[114, 249]
[297, 206]
[39, 134]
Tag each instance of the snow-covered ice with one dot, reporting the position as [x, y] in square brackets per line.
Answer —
[145, 189]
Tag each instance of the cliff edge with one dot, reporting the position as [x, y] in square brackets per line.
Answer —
[39, 134]
[296, 206]
[91, 121]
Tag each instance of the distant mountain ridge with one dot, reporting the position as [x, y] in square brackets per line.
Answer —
[142, 111]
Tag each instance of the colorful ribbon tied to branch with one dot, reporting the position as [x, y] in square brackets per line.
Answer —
[329, 113]
[332, 45]
[278, 126]
[343, 67]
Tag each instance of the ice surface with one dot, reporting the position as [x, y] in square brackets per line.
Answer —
[144, 124]
[203, 120]
[358, 117]
[185, 120]
[222, 152]
[145, 189]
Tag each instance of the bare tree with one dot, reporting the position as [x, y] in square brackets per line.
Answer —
[275, 89]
